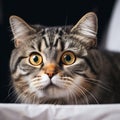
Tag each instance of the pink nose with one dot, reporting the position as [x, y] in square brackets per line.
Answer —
[51, 69]
[50, 73]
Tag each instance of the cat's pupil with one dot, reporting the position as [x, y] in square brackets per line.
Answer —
[67, 58]
[35, 58]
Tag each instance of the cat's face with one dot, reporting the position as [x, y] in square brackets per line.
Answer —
[48, 64]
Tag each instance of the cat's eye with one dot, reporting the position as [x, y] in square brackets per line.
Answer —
[35, 59]
[68, 58]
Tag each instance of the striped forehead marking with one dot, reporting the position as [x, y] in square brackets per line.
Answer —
[52, 38]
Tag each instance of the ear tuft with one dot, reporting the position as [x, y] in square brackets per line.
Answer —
[87, 25]
[86, 30]
[20, 28]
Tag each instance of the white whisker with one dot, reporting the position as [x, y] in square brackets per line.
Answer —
[90, 94]
[82, 93]
[98, 83]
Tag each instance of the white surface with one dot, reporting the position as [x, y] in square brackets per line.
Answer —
[59, 112]
[113, 33]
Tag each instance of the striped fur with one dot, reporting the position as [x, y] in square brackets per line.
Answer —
[89, 79]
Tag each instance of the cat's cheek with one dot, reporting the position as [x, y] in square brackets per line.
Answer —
[78, 80]
[82, 83]
[45, 81]
[39, 83]
[56, 80]
[18, 73]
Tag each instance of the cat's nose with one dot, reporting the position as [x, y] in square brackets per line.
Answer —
[50, 69]
[50, 73]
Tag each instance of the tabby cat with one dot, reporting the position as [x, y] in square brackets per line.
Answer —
[62, 65]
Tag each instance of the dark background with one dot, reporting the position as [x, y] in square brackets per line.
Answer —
[46, 12]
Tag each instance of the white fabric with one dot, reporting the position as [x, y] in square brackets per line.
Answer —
[59, 112]
[113, 33]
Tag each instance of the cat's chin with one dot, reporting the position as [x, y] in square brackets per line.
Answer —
[51, 86]
[53, 91]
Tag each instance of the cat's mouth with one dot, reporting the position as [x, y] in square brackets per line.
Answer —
[50, 86]
[52, 90]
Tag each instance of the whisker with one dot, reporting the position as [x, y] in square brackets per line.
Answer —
[66, 20]
[33, 100]
[11, 95]
[23, 96]
[73, 97]
[82, 93]
[90, 94]
[18, 98]
[99, 83]
[9, 92]
[76, 94]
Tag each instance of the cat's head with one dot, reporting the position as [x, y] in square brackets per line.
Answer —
[49, 64]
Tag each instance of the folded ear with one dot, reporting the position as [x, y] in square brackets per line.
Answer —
[20, 29]
[87, 27]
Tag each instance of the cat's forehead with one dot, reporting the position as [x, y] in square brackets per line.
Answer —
[57, 36]
[52, 31]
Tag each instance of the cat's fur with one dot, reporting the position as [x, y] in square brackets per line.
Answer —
[71, 69]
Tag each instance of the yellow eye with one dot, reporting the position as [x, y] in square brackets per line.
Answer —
[68, 58]
[35, 59]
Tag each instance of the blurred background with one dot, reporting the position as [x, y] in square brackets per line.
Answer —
[45, 12]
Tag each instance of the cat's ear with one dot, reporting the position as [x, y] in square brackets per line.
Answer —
[87, 27]
[20, 29]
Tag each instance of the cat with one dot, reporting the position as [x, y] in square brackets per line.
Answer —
[62, 64]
